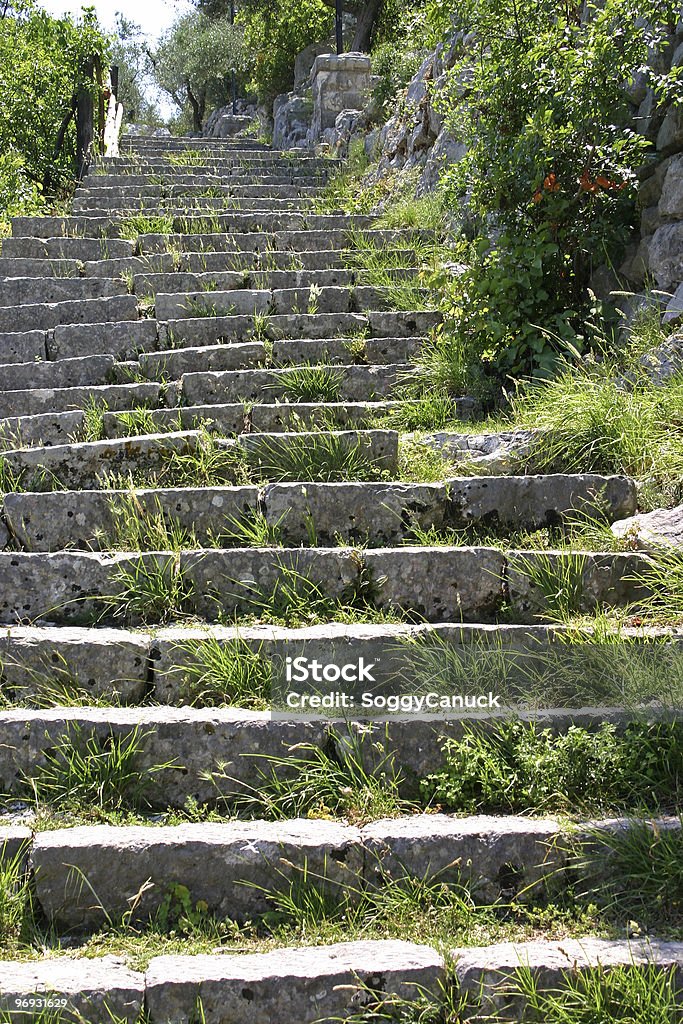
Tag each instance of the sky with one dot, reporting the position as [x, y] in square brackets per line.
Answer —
[153, 15]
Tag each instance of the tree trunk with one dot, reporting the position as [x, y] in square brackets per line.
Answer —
[367, 16]
[197, 111]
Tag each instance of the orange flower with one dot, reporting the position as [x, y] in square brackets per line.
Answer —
[550, 183]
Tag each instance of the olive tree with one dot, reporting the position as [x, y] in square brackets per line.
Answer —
[193, 61]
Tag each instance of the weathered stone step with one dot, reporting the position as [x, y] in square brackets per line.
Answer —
[468, 584]
[63, 373]
[353, 383]
[23, 291]
[87, 464]
[37, 401]
[293, 986]
[98, 990]
[486, 975]
[315, 299]
[68, 248]
[171, 364]
[43, 315]
[185, 180]
[122, 189]
[295, 240]
[59, 427]
[200, 331]
[122, 340]
[184, 282]
[251, 161]
[196, 205]
[19, 266]
[380, 514]
[109, 226]
[231, 867]
[199, 262]
[23, 347]
[164, 666]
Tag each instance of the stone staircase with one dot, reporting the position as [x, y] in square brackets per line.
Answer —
[147, 346]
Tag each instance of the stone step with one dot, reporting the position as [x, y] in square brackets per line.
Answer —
[23, 347]
[110, 227]
[200, 331]
[166, 667]
[150, 283]
[18, 266]
[232, 867]
[293, 986]
[178, 180]
[171, 364]
[378, 514]
[254, 162]
[485, 976]
[122, 340]
[120, 189]
[43, 315]
[469, 584]
[97, 990]
[45, 429]
[37, 401]
[202, 262]
[193, 206]
[315, 299]
[68, 248]
[354, 383]
[24, 291]
[64, 373]
[295, 240]
[88, 464]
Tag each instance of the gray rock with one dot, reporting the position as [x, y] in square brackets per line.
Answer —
[229, 867]
[93, 990]
[665, 255]
[484, 974]
[14, 841]
[292, 986]
[500, 857]
[653, 531]
[507, 452]
[670, 134]
[105, 663]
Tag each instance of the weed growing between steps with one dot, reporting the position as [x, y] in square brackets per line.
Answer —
[311, 782]
[518, 767]
[309, 383]
[574, 668]
[102, 774]
[618, 995]
[228, 674]
[133, 227]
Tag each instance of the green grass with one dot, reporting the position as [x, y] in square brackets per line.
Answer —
[559, 582]
[317, 457]
[593, 425]
[663, 578]
[148, 590]
[133, 227]
[518, 767]
[427, 213]
[140, 421]
[198, 308]
[309, 383]
[137, 527]
[577, 668]
[225, 673]
[189, 158]
[101, 773]
[312, 782]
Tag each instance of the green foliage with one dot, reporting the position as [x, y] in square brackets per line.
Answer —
[620, 995]
[592, 424]
[225, 672]
[394, 66]
[194, 60]
[100, 772]
[550, 168]
[516, 767]
[41, 68]
[273, 36]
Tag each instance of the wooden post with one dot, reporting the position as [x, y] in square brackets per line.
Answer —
[85, 117]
